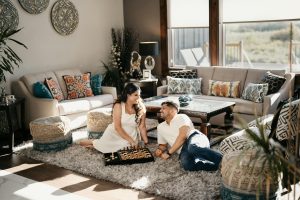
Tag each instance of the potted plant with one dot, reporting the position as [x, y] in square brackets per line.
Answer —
[8, 57]
[118, 69]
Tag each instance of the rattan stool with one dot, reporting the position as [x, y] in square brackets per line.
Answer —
[242, 177]
[97, 122]
[51, 133]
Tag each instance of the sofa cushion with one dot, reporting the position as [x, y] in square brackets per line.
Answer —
[40, 90]
[275, 81]
[255, 92]
[184, 86]
[78, 86]
[30, 79]
[96, 81]
[206, 74]
[230, 74]
[224, 89]
[67, 107]
[184, 74]
[54, 89]
[59, 75]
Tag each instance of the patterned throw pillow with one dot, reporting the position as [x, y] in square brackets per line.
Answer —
[96, 81]
[184, 86]
[54, 89]
[78, 86]
[184, 74]
[41, 91]
[224, 89]
[255, 92]
[275, 82]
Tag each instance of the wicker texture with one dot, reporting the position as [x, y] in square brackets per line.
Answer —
[99, 119]
[50, 129]
[239, 176]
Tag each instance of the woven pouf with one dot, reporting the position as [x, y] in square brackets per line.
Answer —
[97, 122]
[241, 181]
[51, 133]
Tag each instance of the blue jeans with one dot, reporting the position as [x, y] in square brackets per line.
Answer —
[195, 158]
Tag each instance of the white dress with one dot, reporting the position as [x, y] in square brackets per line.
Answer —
[111, 141]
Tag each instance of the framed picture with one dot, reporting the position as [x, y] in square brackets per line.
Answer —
[146, 73]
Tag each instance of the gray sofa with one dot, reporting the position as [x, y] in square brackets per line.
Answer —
[245, 109]
[75, 109]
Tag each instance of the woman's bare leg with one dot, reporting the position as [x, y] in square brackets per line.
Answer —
[86, 143]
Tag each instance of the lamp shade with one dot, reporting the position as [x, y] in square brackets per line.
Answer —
[148, 48]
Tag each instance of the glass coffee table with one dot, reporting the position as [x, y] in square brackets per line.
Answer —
[198, 108]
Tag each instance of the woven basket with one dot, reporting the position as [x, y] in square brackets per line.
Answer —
[49, 129]
[98, 120]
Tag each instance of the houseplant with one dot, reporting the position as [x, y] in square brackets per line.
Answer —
[118, 68]
[8, 57]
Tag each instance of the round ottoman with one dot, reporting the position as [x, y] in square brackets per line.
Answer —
[97, 122]
[51, 133]
[243, 177]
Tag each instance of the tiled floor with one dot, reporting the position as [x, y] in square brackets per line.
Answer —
[35, 180]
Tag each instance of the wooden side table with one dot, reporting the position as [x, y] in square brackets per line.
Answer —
[148, 87]
[10, 123]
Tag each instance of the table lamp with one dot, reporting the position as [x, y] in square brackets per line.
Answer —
[149, 49]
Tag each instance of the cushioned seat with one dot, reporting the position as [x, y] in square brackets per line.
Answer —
[97, 121]
[239, 181]
[51, 133]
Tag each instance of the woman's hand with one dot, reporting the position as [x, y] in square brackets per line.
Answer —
[165, 156]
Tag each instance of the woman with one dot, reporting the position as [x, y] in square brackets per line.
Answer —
[129, 116]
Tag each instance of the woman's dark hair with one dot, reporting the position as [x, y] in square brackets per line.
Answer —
[128, 90]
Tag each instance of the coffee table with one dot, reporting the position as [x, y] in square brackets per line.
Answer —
[199, 108]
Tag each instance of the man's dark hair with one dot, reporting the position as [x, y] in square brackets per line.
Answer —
[171, 104]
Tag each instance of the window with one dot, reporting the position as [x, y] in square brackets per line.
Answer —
[188, 32]
[263, 39]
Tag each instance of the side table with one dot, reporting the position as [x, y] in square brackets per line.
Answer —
[10, 123]
[148, 87]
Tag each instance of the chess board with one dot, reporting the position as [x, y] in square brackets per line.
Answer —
[128, 156]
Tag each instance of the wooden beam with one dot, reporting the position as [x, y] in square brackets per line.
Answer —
[214, 32]
[164, 38]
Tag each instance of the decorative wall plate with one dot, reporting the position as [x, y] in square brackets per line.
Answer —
[64, 17]
[34, 6]
[9, 17]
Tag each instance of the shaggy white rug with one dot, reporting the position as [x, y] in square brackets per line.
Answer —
[164, 178]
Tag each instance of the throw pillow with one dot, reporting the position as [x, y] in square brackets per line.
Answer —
[224, 89]
[96, 81]
[275, 82]
[78, 86]
[255, 92]
[184, 86]
[184, 74]
[54, 89]
[41, 91]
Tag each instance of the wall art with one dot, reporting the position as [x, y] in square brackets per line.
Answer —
[64, 17]
[9, 17]
[34, 6]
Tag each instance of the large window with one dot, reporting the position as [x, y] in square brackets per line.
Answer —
[188, 32]
[254, 33]
[267, 38]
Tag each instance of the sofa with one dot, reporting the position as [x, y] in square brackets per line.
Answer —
[244, 109]
[74, 109]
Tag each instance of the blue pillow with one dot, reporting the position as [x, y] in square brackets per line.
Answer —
[96, 81]
[41, 91]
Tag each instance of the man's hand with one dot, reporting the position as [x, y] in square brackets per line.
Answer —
[165, 156]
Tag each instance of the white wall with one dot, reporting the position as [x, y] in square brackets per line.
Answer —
[84, 48]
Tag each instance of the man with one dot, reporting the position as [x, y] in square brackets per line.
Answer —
[178, 133]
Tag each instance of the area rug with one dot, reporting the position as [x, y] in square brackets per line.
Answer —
[163, 178]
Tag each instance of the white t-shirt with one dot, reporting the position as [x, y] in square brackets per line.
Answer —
[167, 133]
